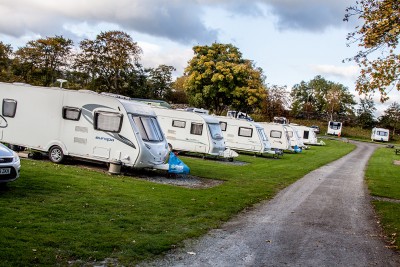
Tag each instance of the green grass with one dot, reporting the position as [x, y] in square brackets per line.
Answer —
[383, 181]
[54, 214]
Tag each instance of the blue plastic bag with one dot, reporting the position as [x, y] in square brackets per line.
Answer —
[176, 165]
[297, 149]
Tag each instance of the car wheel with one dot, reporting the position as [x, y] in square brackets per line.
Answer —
[56, 154]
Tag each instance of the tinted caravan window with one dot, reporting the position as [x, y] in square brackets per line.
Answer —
[275, 134]
[107, 121]
[179, 124]
[71, 113]
[223, 125]
[196, 128]
[9, 108]
[246, 132]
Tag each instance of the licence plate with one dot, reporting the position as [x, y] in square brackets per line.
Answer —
[5, 171]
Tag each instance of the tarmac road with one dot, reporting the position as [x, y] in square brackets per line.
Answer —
[324, 219]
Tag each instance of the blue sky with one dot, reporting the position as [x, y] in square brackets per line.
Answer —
[291, 40]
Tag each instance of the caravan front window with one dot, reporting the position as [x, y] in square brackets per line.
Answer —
[215, 130]
[262, 134]
[148, 128]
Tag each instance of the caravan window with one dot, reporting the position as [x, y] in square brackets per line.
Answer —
[107, 121]
[335, 125]
[149, 128]
[71, 113]
[179, 124]
[9, 108]
[306, 134]
[275, 134]
[223, 125]
[382, 133]
[215, 131]
[246, 132]
[196, 128]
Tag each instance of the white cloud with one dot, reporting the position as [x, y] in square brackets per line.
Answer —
[342, 72]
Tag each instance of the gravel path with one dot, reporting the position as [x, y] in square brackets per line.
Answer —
[324, 219]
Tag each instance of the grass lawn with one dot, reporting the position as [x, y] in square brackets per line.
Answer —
[62, 214]
[383, 178]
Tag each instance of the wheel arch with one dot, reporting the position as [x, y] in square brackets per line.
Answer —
[57, 143]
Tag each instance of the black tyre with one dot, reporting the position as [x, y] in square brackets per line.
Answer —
[56, 154]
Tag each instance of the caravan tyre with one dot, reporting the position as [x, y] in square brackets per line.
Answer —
[56, 154]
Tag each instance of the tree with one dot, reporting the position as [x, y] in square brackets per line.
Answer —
[391, 117]
[378, 36]
[108, 60]
[5, 61]
[178, 94]
[321, 99]
[160, 81]
[365, 112]
[276, 101]
[42, 61]
[218, 77]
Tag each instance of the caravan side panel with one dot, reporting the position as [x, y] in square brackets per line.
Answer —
[37, 116]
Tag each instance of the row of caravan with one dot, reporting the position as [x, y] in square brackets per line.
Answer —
[112, 128]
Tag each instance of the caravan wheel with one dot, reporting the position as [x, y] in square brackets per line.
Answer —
[56, 154]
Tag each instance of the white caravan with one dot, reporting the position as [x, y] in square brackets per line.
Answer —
[81, 124]
[295, 143]
[244, 135]
[307, 134]
[334, 128]
[193, 132]
[277, 135]
[380, 134]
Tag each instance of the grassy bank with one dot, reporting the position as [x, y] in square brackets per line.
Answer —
[383, 181]
[55, 214]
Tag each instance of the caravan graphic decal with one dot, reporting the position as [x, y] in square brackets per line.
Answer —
[87, 113]
[3, 122]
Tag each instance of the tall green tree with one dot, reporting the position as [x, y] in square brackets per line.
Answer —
[5, 61]
[44, 60]
[391, 117]
[160, 81]
[365, 112]
[178, 93]
[276, 102]
[218, 78]
[108, 60]
[322, 99]
[378, 38]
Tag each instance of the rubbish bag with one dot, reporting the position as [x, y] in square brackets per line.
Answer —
[297, 149]
[176, 165]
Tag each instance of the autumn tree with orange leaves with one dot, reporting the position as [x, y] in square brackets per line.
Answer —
[378, 38]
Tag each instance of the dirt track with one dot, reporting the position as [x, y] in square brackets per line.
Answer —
[324, 219]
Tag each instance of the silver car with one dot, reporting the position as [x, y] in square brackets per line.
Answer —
[10, 164]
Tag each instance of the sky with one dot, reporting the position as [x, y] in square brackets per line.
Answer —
[291, 40]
